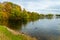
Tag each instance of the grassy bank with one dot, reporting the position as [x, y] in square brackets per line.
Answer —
[7, 35]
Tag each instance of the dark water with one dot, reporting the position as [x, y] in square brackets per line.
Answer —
[43, 29]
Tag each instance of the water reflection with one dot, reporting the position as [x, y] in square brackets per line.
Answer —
[45, 28]
[49, 17]
[57, 17]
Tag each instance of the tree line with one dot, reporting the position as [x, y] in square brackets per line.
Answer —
[11, 11]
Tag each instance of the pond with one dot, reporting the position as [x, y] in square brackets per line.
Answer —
[43, 29]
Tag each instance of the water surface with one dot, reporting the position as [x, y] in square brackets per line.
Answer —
[43, 29]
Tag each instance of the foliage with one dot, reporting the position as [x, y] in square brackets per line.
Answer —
[49, 16]
[13, 12]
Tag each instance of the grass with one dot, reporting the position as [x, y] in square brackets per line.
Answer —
[7, 35]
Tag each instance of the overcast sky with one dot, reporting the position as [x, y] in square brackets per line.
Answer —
[40, 6]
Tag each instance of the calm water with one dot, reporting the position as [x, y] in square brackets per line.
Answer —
[43, 29]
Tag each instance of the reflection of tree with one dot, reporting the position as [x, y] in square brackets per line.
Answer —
[16, 24]
[13, 24]
[49, 17]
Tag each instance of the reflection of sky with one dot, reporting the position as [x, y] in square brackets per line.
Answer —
[43, 27]
[43, 6]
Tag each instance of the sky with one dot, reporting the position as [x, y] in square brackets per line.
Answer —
[40, 6]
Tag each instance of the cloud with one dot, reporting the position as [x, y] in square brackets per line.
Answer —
[42, 6]
[35, 5]
[52, 9]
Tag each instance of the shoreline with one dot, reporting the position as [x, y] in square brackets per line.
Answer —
[14, 32]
